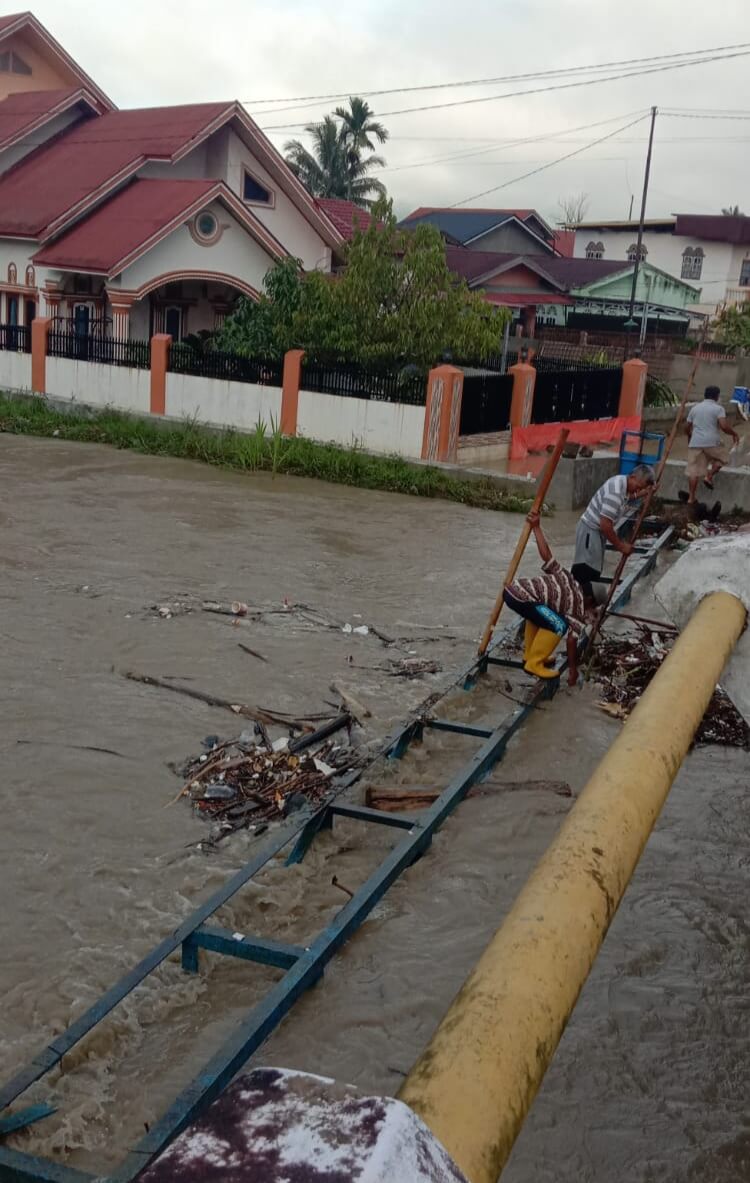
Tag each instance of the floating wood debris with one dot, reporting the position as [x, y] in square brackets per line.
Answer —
[240, 784]
[626, 664]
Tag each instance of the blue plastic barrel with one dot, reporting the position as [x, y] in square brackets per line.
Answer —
[640, 447]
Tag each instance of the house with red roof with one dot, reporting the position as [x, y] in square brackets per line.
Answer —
[140, 221]
[575, 293]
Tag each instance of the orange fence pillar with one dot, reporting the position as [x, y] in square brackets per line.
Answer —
[522, 400]
[290, 385]
[633, 389]
[40, 328]
[442, 413]
[160, 344]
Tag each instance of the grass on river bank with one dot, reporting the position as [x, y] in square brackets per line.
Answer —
[261, 451]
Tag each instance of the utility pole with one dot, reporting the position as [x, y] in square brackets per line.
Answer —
[631, 324]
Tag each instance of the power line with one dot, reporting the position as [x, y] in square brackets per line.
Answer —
[315, 98]
[516, 142]
[610, 135]
[539, 89]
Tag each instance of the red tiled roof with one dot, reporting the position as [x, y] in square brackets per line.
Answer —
[470, 265]
[127, 221]
[89, 157]
[32, 108]
[564, 242]
[575, 273]
[714, 227]
[474, 209]
[524, 299]
[345, 215]
[11, 19]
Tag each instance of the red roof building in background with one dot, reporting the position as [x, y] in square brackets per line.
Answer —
[134, 220]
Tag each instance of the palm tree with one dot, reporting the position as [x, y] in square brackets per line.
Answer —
[733, 211]
[337, 165]
[323, 170]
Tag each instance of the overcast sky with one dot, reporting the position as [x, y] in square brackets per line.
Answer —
[144, 53]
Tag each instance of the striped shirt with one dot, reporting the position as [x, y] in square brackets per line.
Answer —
[608, 502]
[558, 590]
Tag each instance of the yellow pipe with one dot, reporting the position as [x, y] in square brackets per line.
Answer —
[475, 1082]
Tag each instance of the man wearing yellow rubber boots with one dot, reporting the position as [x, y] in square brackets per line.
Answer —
[552, 604]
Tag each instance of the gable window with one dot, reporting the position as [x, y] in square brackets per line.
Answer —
[11, 63]
[692, 262]
[254, 192]
[595, 250]
[634, 253]
[745, 273]
[12, 273]
[205, 228]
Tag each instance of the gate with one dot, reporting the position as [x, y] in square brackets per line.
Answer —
[485, 406]
[563, 395]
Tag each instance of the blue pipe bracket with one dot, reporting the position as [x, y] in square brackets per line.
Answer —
[301, 967]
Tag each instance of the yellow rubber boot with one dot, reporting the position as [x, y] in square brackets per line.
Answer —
[545, 643]
[529, 634]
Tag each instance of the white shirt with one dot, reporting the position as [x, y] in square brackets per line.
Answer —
[608, 502]
[705, 418]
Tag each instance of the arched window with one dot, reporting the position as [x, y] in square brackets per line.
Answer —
[692, 262]
[595, 250]
[12, 273]
[30, 276]
[633, 252]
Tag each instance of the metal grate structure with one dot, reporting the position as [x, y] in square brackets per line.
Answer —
[15, 338]
[561, 396]
[485, 404]
[393, 385]
[110, 351]
[302, 966]
[228, 367]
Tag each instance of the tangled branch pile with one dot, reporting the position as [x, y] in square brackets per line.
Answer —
[625, 665]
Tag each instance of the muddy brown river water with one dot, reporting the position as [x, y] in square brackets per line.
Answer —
[652, 1079]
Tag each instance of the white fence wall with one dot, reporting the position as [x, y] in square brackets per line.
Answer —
[100, 385]
[15, 370]
[220, 403]
[387, 428]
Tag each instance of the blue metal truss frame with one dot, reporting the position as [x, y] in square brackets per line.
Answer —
[302, 966]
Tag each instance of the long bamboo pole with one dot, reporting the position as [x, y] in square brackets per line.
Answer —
[647, 501]
[544, 484]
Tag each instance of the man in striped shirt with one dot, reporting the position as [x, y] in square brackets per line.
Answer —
[616, 498]
[552, 605]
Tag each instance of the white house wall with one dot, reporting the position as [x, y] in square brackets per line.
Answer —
[223, 404]
[236, 254]
[387, 428]
[283, 219]
[224, 157]
[119, 387]
[15, 370]
[665, 251]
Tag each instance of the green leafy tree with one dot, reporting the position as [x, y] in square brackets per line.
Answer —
[732, 326]
[396, 303]
[342, 155]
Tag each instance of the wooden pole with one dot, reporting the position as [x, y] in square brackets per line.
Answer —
[648, 499]
[544, 483]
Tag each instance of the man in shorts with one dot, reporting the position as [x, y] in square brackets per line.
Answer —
[617, 498]
[705, 422]
[552, 604]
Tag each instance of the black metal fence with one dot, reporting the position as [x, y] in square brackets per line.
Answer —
[395, 385]
[111, 351]
[485, 406]
[15, 338]
[563, 395]
[229, 367]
